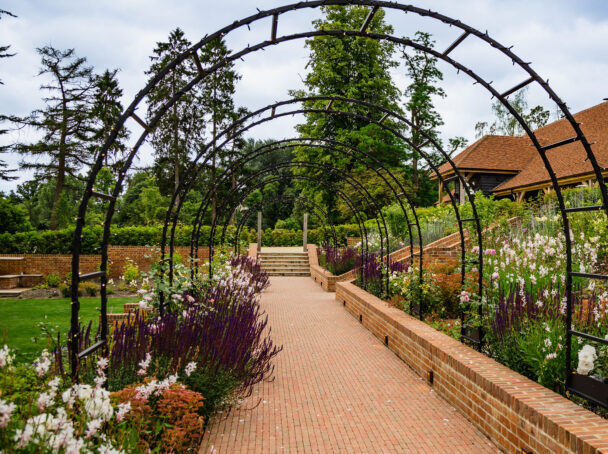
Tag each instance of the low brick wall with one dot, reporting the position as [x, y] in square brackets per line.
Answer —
[323, 276]
[61, 264]
[516, 413]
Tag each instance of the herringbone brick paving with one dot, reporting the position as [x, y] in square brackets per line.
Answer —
[337, 389]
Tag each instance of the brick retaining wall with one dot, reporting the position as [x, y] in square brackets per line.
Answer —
[323, 276]
[516, 413]
[61, 264]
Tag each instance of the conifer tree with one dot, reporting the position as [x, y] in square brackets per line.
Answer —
[180, 129]
[64, 122]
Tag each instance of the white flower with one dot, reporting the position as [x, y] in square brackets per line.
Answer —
[144, 364]
[551, 356]
[43, 364]
[45, 400]
[547, 342]
[191, 367]
[586, 358]
[123, 409]
[6, 409]
[6, 358]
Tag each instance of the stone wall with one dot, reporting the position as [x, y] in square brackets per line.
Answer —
[516, 413]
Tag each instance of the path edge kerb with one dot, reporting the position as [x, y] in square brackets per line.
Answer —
[516, 413]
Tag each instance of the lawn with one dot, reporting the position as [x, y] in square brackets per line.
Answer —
[20, 320]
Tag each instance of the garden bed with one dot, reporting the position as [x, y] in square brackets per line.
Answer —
[515, 412]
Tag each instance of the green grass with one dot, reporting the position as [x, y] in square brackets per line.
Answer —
[20, 320]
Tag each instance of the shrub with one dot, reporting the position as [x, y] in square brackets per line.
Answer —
[131, 273]
[90, 288]
[169, 421]
[52, 280]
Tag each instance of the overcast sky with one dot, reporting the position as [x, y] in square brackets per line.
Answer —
[566, 41]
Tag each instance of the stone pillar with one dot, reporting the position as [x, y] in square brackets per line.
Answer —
[305, 232]
[259, 231]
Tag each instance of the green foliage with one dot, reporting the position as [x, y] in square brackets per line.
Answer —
[506, 124]
[13, 218]
[131, 272]
[52, 280]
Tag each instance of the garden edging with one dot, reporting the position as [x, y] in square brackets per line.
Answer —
[516, 413]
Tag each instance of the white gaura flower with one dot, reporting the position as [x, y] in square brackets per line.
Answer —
[191, 367]
[6, 358]
[6, 410]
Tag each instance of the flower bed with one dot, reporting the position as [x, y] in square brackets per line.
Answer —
[164, 375]
[522, 313]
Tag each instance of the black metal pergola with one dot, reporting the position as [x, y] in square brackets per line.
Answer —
[582, 385]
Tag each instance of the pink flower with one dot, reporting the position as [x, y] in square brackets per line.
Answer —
[494, 275]
[524, 230]
[143, 304]
[475, 249]
[489, 252]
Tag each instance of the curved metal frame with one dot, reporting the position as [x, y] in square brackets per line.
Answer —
[351, 151]
[357, 186]
[275, 13]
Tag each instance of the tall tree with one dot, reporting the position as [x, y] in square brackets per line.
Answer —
[353, 67]
[507, 124]
[180, 128]
[424, 87]
[217, 101]
[105, 112]
[64, 122]
[5, 172]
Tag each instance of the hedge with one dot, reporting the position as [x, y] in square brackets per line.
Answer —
[60, 241]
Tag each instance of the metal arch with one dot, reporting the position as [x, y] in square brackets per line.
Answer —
[345, 197]
[276, 12]
[380, 124]
[291, 143]
[288, 143]
[352, 181]
[315, 208]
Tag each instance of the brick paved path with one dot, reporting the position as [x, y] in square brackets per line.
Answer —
[337, 389]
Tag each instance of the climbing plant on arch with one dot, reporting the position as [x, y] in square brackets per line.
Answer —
[594, 391]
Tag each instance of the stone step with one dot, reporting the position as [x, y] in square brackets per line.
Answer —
[279, 269]
[13, 292]
[284, 257]
[289, 273]
[270, 268]
[284, 262]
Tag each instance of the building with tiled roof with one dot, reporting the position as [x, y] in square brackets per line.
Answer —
[509, 166]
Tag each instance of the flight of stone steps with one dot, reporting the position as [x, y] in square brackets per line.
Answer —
[285, 263]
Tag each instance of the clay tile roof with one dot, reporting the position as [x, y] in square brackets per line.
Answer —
[567, 160]
[493, 153]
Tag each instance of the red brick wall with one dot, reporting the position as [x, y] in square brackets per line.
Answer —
[516, 413]
[325, 278]
[61, 264]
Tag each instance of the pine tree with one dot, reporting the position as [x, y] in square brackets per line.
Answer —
[217, 100]
[105, 112]
[180, 129]
[64, 122]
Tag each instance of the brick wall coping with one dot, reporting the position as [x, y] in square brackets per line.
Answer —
[514, 411]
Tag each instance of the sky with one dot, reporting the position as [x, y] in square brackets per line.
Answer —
[566, 41]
